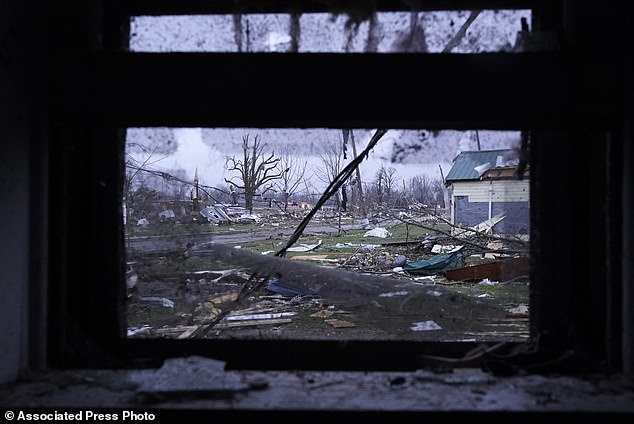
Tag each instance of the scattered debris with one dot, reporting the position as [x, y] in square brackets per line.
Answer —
[521, 310]
[435, 265]
[252, 322]
[143, 222]
[167, 214]
[485, 227]
[215, 214]
[392, 294]
[162, 300]
[230, 297]
[223, 273]
[189, 332]
[378, 232]
[494, 245]
[357, 246]
[288, 290]
[131, 277]
[428, 242]
[140, 330]
[498, 270]
[320, 258]
[206, 312]
[337, 323]
[231, 317]
[249, 218]
[400, 260]
[425, 326]
[304, 247]
[439, 248]
[487, 282]
[324, 313]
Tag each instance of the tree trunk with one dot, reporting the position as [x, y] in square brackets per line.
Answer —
[248, 200]
[359, 184]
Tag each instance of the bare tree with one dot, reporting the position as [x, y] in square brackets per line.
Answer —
[134, 165]
[255, 169]
[385, 182]
[331, 156]
[292, 172]
[455, 40]
[426, 190]
[133, 185]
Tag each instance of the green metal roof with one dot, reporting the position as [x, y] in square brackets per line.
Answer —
[464, 164]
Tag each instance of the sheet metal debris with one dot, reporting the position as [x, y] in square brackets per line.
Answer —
[162, 300]
[259, 316]
[304, 247]
[498, 270]
[425, 326]
[215, 214]
[367, 246]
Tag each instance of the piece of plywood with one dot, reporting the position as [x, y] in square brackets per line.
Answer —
[500, 270]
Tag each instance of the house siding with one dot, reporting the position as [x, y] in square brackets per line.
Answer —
[511, 198]
[503, 190]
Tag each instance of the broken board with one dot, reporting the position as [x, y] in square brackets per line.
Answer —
[500, 270]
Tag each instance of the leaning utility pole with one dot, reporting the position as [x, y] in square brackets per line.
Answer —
[359, 184]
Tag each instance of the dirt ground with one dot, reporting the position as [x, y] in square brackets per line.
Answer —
[184, 300]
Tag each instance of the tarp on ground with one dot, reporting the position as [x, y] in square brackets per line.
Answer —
[435, 265]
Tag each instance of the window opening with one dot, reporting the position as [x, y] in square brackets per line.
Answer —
[322, 234]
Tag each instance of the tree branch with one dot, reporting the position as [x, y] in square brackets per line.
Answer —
[453, 43]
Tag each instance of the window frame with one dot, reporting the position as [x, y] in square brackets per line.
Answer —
[117, 89]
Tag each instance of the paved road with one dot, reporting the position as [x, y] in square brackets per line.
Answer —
[171, 242]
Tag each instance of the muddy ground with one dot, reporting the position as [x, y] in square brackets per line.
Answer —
[180, 296]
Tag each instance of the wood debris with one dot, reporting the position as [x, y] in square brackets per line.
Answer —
[246, 323]
[338, 323]
[224, 298]
[323, 314]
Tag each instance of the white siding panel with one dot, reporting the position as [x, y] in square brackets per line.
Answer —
[503, 191]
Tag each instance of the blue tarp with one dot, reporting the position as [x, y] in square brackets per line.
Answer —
[436, 264]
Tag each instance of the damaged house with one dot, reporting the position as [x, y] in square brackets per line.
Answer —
[483, 186]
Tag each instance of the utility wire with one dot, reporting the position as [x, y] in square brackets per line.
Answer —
[332, 189]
